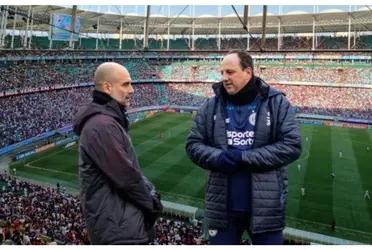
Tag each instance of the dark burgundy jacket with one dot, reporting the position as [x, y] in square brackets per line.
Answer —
[115, 196]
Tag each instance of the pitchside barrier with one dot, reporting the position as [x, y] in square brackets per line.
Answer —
[315, 238]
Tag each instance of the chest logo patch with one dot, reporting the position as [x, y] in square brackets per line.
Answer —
[212, 233]
[252, 119]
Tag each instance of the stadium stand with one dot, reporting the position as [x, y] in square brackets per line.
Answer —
[40, 97]
[31, 214]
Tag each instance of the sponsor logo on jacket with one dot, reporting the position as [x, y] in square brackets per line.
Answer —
[235, 138]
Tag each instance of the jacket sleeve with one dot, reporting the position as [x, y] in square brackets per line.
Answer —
[197, 145]
[285, 150]
[109, 151]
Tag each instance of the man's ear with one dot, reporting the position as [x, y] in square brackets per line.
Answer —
[106, 87]
[248, 70]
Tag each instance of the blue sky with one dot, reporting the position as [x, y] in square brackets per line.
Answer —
[213, 9]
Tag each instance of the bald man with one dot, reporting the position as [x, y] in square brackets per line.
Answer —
[119, 203]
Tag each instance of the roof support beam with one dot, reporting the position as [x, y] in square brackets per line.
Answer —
[14, 24]
[219, 35]
[279, 35]
[4, 22]
[50, 31]
[193, 35]
[72, 27]
[313, 40]
[27, 27]
[146, 31]
[31, 28]
[97, 33]
[349, 33]
[168, 41]
[248, 29]
[263, 37]
[168, 37]
[121, 33]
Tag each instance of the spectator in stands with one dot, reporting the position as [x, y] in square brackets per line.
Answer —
[119, 204]
[247, 159]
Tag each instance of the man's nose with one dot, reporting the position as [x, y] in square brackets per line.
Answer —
[224, 76]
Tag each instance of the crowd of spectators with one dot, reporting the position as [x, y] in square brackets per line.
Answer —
[185, 94]
[22, 55]
[288, 43]
[227, 43]
[31, 214]
[328, 42]
[334, 101]
[25, 116]
[178, 231]
[323, 42]
[26, 76]
[191, 70]
[234, 43]
[318, 74]
[13, 53]
[293, 42]
[148, 95]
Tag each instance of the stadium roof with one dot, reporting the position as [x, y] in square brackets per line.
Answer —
[293, 22]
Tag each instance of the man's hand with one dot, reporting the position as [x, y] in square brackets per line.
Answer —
[228, 161]
[152, 216]
[235, 154]
[158, 207]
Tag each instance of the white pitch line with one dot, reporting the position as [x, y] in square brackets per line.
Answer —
[49, 155]
[49, 170]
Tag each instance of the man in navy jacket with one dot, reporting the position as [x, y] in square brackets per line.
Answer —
[245, 135]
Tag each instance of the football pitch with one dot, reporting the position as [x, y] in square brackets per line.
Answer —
[334, 182]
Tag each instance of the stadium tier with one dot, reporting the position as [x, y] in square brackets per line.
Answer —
[43, 93]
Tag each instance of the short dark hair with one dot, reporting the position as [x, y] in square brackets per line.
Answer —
[245, 59]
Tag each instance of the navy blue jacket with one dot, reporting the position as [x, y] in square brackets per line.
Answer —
[277, 143]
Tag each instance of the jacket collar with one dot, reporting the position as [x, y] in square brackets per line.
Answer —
[115, 109]
[246, 95]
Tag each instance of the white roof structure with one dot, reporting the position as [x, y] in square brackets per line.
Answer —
[294, 22]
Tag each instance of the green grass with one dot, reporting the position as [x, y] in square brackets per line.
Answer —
[159, 142]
